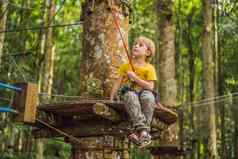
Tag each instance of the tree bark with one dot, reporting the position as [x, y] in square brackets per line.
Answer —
[3, 19]
[102, 53]
[166, 48]
[167, 72]
[208, 78]
[191, 60]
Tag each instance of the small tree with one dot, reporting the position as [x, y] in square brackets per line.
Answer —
[208, 78]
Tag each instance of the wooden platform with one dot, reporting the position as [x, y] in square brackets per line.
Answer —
[92, 118]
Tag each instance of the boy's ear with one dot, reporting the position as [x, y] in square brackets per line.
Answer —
[148, 53]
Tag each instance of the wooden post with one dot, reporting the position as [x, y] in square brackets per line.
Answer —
[25, 103]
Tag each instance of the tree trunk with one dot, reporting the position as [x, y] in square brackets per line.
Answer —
[167, 80]
[48, 63]
[46, 72]
[208, 78]
[24, 20]
[3, 19]
[215, 44]
[102, 48]
[191, 60]
[220, 81]
[102, 53]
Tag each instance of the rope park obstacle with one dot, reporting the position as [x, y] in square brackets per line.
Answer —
[79, 119]
[87, 117]
[83, 118]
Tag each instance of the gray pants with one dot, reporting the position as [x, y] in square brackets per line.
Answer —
[140, 108]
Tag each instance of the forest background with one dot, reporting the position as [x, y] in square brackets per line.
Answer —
[22, 52]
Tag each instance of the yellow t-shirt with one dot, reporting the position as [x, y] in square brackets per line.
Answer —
[146, 72]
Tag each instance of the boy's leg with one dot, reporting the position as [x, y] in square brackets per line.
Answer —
[133, 108]
[147, 100]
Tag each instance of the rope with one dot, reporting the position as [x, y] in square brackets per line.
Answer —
[68, 96]
[71, 98]
[123, 40]
[222, 99]
[209, 99]
[59, 131]
[41, 27]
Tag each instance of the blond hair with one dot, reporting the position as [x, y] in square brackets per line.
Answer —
[150, 45]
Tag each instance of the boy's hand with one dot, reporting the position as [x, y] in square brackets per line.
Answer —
[131, 75]
[111, 98]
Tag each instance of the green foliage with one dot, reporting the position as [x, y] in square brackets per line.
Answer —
[68, 47]
[140, 154]
[55, 149]
[143, 19]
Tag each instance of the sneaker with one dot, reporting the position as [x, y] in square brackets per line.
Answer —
[145, 139]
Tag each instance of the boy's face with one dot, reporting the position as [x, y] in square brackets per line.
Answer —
[140, 49]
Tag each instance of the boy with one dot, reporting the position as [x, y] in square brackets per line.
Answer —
[136, 89]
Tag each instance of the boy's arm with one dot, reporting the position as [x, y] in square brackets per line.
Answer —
[115, 87]
[143, 83]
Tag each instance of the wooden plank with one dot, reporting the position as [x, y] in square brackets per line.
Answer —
[25, 102]
[83, 107]
[75, 108]
[31, 103]
[165, 115]
[98, 111]
[83, 129]
[94, 126]
[106, 112]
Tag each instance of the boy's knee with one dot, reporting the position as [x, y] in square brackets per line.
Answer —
[147, 95]
[130, 95]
